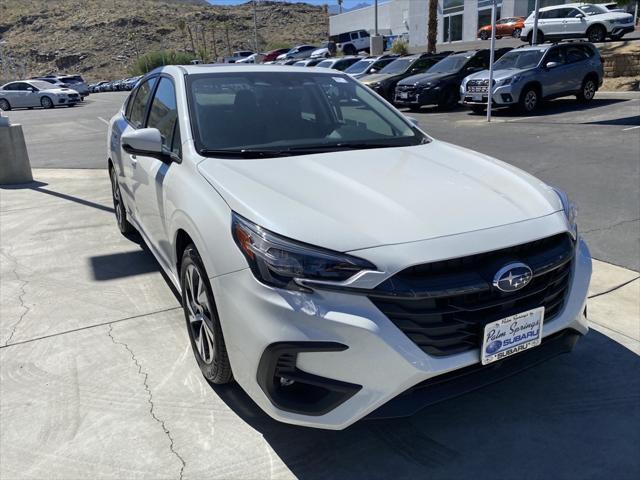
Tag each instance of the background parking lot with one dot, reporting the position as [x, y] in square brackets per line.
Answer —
[98, 380]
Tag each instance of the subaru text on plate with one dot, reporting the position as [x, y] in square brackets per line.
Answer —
[332, 258]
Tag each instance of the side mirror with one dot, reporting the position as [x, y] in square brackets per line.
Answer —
[413, 120]
[552, 64]
[580, 15]
[147, 142]
[31, 89]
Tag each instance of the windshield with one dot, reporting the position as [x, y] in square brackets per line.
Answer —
[255, 114]
[360, 66]
[398, 66]
[593, 9]
[41, 85]
[449, 64]
[522, 59]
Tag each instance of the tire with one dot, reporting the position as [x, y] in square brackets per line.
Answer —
[349, 49]
[4, 105]
[201, 316]
[529, 100]
[118, 206]
[516, 32]
[484, 35]
[540, 37]
[449, 98]
[596, 34]
[477, 109]
[587, 90]
[46, 102]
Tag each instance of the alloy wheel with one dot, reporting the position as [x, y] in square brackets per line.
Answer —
[589, 90]
[530, 100]
[200, 314]
[46, 102]
[516, 33]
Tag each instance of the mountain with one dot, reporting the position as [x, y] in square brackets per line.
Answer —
[102, 38]
[334, 9]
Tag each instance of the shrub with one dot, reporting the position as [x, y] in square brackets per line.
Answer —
[147, 62]
[400, 47]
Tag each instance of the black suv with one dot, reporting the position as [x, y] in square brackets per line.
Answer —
[440, 85]
[384, 82]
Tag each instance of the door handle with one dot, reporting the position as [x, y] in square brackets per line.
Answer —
[133, 160]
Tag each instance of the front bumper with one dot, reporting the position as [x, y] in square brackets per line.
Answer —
[346, 345]
[505, 95]
[622, 30]
[428, 96]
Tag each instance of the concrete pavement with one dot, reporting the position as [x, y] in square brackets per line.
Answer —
[98, 379]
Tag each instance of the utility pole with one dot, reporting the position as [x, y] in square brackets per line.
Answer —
[375, 7]
[491, 57]
[255, 26]
[536, 12]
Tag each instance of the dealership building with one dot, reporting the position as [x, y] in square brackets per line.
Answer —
[458, 20]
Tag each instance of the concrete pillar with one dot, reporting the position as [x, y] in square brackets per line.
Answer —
[14, 160]
[376, 44]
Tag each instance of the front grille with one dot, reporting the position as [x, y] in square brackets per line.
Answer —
[406, 92]
[478, 86]
[73, 95]
[443, 306]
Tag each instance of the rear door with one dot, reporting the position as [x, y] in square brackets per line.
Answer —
[21, 96]
[578, 65]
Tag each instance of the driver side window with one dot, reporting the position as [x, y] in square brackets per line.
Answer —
[163, 113]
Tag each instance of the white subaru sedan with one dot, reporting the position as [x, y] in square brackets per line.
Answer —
[333, 259]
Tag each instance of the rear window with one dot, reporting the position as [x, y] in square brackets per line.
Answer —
[71, 79]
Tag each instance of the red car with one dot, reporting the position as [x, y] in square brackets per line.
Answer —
[505, 27]
[273, 54]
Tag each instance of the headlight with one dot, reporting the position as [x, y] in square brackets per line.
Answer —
[280, 262]
[570, 211]
[509, 80]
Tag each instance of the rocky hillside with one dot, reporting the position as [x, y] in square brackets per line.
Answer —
[102, 38]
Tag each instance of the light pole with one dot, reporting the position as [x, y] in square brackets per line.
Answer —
[491, 57]
[375, 23]
[255, 26]
[534, 35]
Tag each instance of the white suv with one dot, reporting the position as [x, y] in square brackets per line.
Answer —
[578, 20]
[332, 258]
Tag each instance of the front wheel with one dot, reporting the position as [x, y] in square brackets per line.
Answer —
[529, 100]
[202, 319]
[596, 34]
[46, 102]
[484, 35]
[587, 91]
[449, 98]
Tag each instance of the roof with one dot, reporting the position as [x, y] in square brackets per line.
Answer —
[236, 67]
[565, 5]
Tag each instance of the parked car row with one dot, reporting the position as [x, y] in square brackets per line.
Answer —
[124, 84]
[74, 82]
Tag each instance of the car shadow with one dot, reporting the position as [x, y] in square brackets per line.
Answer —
[553, 107]
[575, 416]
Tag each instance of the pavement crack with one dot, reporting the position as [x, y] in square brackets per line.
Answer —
[152, 413]
[23, 283]
[609, 227]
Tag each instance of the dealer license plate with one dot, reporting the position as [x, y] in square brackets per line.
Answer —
[511, 335]
[477, 98]
[404, 95]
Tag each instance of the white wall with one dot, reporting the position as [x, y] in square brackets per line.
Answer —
[391, 17]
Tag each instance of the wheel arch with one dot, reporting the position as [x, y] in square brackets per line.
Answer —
[535, 84]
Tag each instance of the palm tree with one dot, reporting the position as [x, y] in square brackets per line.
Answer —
[432, 26]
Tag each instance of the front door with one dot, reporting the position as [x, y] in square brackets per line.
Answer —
[152, 175]
[554, 79]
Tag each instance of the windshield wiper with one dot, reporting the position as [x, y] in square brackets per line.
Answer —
[244, 153]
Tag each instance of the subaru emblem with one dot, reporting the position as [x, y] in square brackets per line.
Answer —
[512, 277]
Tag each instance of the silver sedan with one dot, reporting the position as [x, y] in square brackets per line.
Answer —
[35, 93]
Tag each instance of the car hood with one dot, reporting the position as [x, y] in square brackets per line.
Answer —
[320, 52]
[358, 199]
[423, 78]
[59, 91]
[376, 77]
[497, 74]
